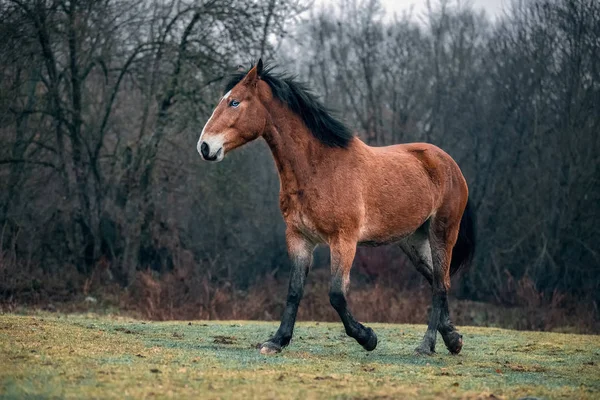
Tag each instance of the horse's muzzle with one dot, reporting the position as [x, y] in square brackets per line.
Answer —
[209, 154]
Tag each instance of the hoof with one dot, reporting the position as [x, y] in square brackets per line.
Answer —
[424, 350]
[269, 348]
[371, 343]
[454, 342]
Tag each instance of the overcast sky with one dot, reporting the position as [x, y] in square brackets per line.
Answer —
[493, 8]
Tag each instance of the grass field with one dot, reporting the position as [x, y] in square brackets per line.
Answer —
[79, 356]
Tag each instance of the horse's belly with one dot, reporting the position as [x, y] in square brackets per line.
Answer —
[367, 238]
[385, 228]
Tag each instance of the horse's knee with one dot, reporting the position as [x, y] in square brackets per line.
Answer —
[294, 296]
[337, 299]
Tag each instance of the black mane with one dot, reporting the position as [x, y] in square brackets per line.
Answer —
[300, 99]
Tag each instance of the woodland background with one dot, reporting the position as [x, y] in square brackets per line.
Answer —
[106, 205]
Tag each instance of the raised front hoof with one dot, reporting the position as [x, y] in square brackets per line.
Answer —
[371, 343]
[424, 349]
[269, 348]
[454, 342]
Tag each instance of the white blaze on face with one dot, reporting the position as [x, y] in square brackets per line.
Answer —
[214, 141]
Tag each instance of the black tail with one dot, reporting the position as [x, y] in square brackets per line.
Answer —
[463, 251]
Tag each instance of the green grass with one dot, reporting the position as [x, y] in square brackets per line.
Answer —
[75, 356]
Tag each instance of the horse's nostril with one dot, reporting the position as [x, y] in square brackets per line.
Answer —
[204, 149]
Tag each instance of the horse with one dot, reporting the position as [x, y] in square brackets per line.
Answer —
[337, 190]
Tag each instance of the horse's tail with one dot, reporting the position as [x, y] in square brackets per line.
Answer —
[463, 251]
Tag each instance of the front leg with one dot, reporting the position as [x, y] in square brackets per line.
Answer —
[342, 255]
[300, 251]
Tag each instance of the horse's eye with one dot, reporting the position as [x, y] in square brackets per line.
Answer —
[234, 103]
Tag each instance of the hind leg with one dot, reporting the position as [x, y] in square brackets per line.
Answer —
[416, 247]
[342, 255]
[442, 237]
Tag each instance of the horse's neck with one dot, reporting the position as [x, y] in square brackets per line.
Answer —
[293, 148]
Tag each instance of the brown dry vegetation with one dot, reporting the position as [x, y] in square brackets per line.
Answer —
[183, 295]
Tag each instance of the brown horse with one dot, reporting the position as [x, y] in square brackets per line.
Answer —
[337, 190]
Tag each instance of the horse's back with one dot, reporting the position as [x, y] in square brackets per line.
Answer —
[420, 150]
[410, 158]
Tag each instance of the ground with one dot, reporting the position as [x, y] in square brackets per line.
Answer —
[88, 356]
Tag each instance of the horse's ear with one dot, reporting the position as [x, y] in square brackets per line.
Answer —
[254, 74]
[259, 67]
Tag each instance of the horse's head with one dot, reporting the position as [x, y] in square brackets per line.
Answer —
[239, 118]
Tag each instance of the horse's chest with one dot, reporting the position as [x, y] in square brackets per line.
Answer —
[298, 213]
[316, 215]
[294, 207]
